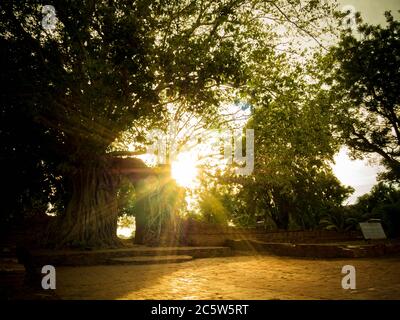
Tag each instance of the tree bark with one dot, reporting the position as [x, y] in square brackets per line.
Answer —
[282, 219]
[91, 216]
[141, 226]
[141, 213]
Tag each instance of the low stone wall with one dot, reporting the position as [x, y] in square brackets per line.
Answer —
[315, 250]
[194, 233]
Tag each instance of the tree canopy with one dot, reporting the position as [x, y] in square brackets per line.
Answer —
[292, 183]
[69, 93]
[362, 73]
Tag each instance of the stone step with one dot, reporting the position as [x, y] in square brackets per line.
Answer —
[99, 257]
[151, 259]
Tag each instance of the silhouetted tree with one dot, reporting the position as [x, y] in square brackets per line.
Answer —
[72, 90]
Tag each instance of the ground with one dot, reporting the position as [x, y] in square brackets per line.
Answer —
[238, 277]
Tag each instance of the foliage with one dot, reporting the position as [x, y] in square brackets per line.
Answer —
[68, 94]
[341, 220]
[125, 221]
[126, 198]
[107, 65]
[292, 182]
[362, 73]
[382, 202]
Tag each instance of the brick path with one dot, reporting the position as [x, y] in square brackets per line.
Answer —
[240, 277]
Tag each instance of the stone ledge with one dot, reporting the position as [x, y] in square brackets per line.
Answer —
[102, 257]
[316, 250]
[150, 260]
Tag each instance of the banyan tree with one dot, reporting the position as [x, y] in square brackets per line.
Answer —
[68, 92]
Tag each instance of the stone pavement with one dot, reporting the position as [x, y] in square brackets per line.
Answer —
[238, 277]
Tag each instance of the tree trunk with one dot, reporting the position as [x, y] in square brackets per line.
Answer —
[282, 221]
[141, 212]
[91, 216]
[141, 226]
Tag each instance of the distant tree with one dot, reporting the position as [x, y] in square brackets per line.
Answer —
[382, 202]
[341, 219]
[292, 184]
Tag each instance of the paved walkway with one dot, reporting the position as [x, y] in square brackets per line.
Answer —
[240, 277]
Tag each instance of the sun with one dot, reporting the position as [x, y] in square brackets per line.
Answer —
[184, 170]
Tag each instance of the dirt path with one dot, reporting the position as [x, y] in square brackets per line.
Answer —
[241, 277]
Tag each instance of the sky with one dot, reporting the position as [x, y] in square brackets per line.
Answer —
[359, 174]
[372, 10]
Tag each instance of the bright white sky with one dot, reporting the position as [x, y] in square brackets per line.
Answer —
[355, 173]
[359, 174]
[372, 10]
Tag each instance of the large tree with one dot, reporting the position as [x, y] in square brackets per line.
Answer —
[362, 75]
[109, 64]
